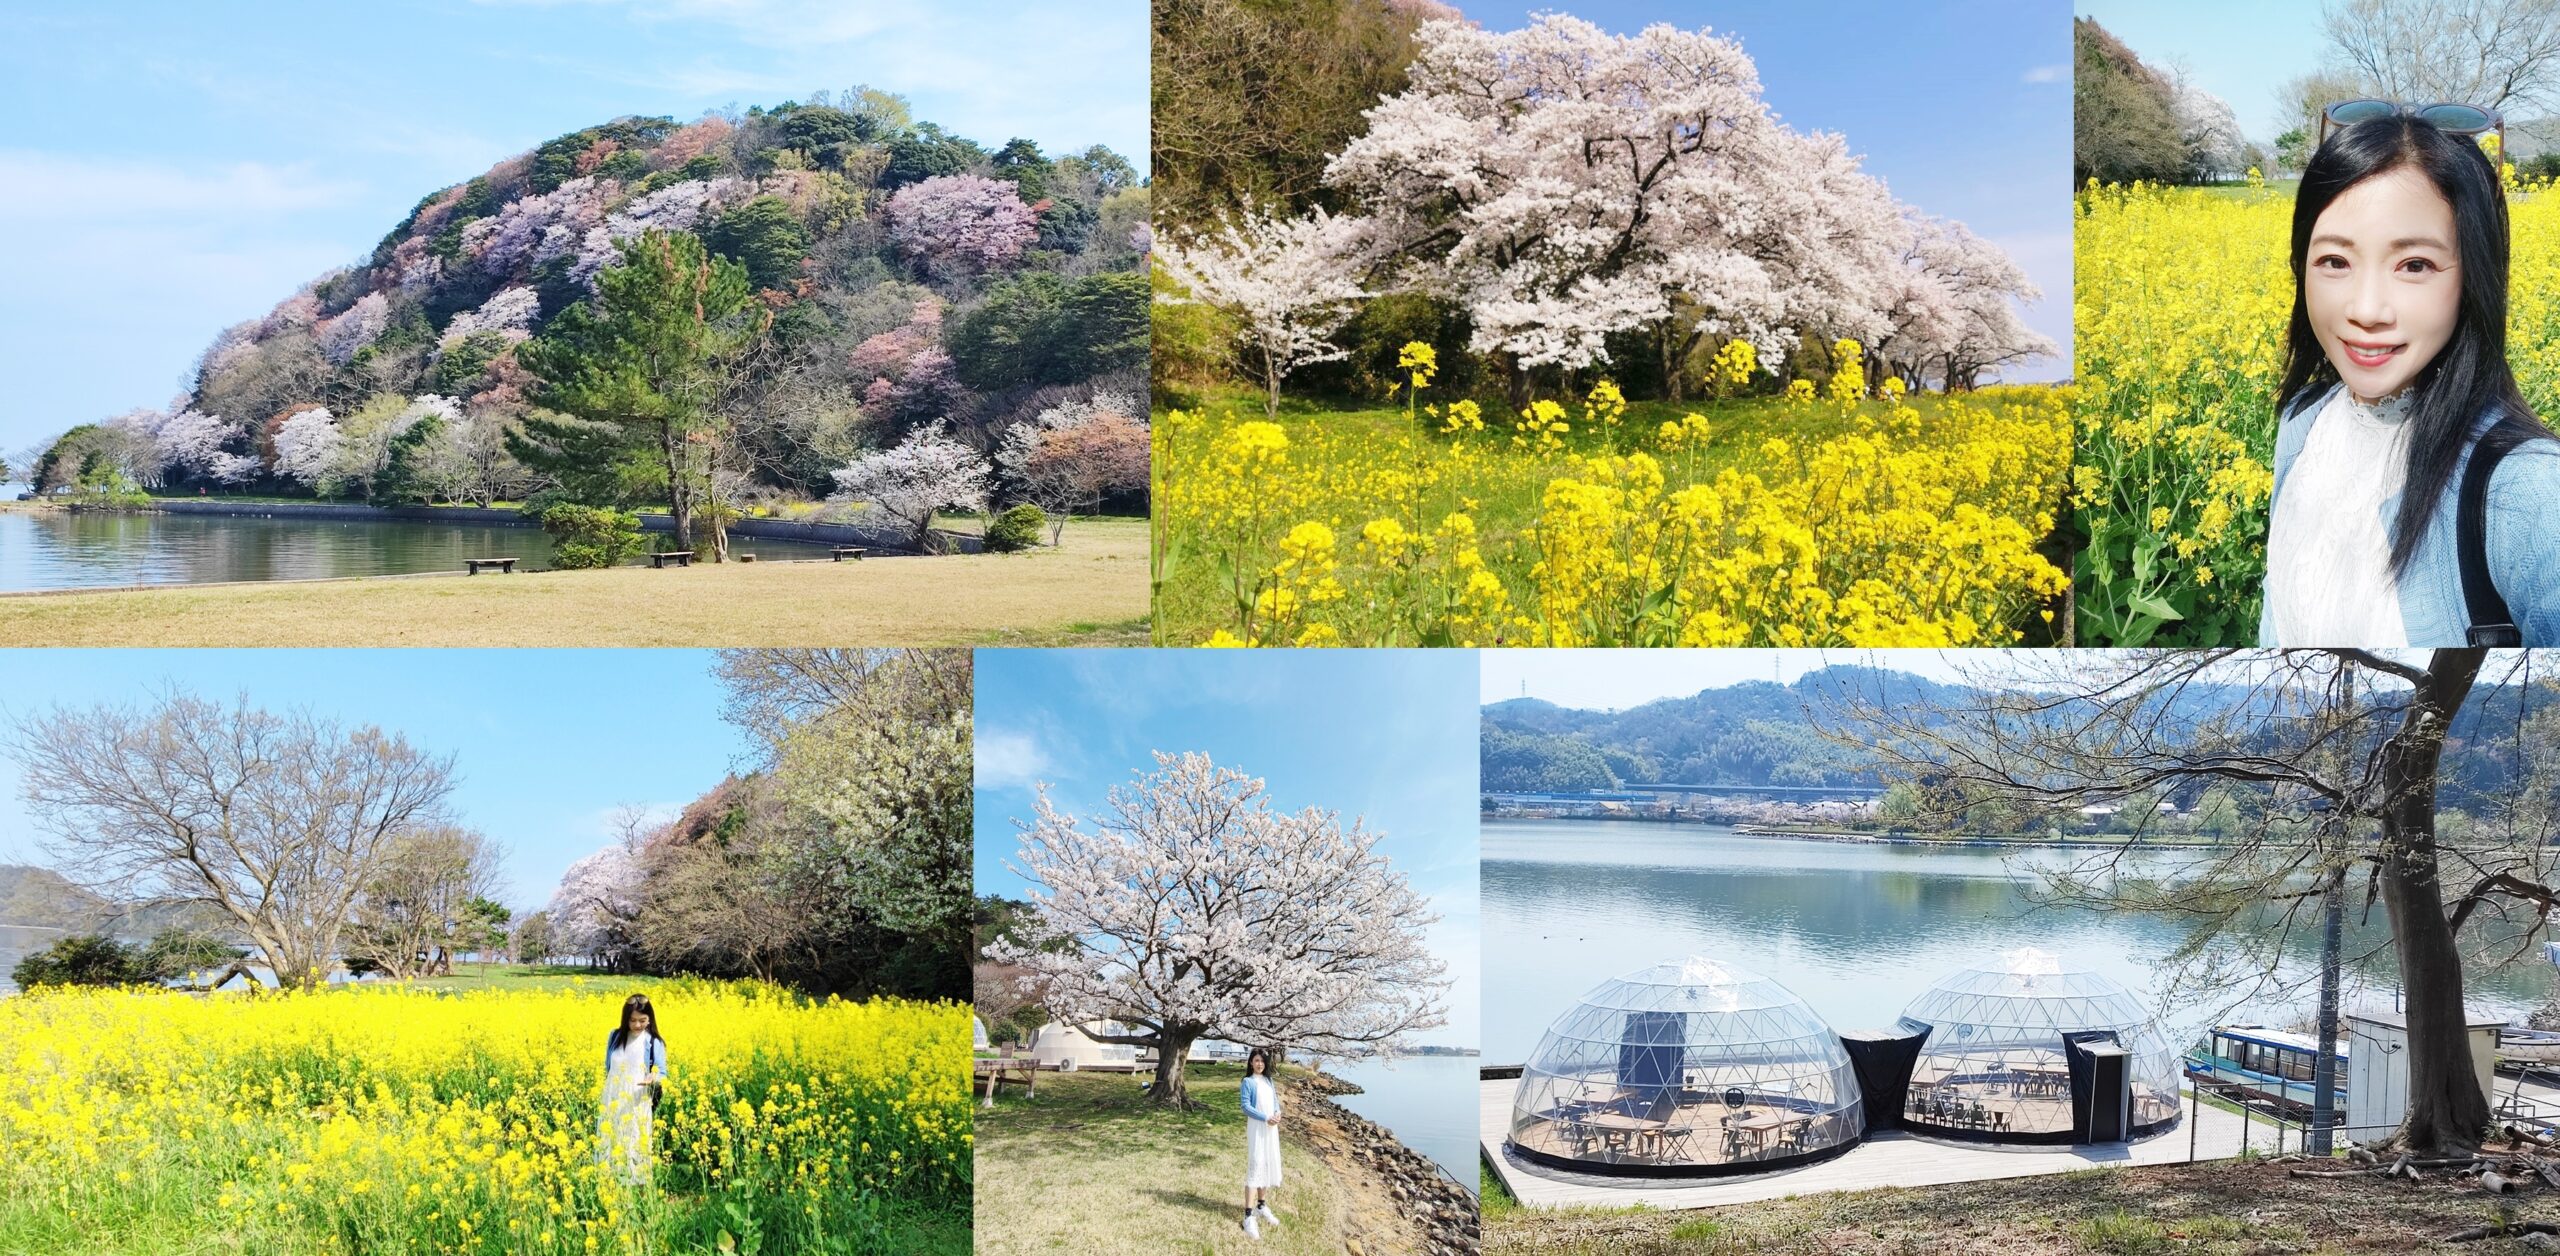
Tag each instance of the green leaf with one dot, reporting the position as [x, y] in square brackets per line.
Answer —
[2153, 606]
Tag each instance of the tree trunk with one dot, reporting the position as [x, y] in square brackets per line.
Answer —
[1519, 379]
[1670, 342]
[679, 505]
[2447, 1111]
[1173, 1050]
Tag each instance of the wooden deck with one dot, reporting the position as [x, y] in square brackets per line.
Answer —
[1893, 1159]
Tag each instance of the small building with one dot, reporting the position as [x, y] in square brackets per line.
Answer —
[2378, 1067]
[977, 1034]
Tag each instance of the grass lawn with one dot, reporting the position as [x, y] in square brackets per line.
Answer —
[2225, 1208]
[1092, 589]
[1091, 1167]
[1774, 523]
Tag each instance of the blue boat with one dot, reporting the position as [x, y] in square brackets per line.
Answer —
[2269, 1064]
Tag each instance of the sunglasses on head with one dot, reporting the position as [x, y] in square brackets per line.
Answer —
[2445, 116]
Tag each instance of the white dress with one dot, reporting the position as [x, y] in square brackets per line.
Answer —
[1262, 1140]
[2329, 579]
[624, 1126]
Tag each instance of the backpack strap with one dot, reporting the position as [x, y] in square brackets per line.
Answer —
[2492, 624]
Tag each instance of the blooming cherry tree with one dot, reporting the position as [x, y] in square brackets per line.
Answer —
[1074, 454]
[598, 900]
[307, 446]
[927, 472]
[1290, 283]
[340, 337]
[511, 311]
[961, 222]
[1193, 909]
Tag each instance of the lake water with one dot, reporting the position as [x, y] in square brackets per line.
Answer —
[57, 549]
[1428, 1101]
[1855, 930]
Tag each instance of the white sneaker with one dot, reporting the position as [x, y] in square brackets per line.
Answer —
[1251, 1230]
[1263, 1211]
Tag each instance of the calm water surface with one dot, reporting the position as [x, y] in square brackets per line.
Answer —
[1428, 1101]
[1856, 930]
[55, 549]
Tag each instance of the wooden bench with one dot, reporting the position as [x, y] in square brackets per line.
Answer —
[843, 552]
[472, 566]
[996, 1072]
[681, 558]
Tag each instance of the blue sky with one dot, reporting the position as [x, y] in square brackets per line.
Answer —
[1386, 735]
[173, 167]
[1962, 106]
[2240, 52]
[547, 743]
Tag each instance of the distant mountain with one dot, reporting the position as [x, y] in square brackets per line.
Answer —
[40, 899]
[1758, 733]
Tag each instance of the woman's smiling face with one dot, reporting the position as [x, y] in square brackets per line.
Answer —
[2382, 280]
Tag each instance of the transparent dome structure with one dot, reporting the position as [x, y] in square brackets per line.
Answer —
[2029, 1049]
[1692, 1067]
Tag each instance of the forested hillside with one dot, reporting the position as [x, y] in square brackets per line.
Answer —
[849, 280]
[1761, 733]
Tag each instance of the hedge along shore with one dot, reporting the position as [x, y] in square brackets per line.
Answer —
[1091, 589]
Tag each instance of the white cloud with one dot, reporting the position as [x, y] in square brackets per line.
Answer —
[2046, 74]
[55, 187]
[1009, 761]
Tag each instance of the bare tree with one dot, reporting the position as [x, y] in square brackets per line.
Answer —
[2480, 52]
[415, 907]
[998, 993]
[2347, 744]
[277, 821]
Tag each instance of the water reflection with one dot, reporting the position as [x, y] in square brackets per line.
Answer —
[1856, 930]
[63, 550]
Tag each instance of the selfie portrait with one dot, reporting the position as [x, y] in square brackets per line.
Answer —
[2314, 289]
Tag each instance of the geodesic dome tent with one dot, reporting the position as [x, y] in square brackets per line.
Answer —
[1692, 1067]
[2028, 1049]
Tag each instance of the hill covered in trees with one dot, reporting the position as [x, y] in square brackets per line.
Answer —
[846, 280]
[1762, 733]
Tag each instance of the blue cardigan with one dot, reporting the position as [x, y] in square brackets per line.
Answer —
[657, 1053]
[1251, 1091]
[2524, 547]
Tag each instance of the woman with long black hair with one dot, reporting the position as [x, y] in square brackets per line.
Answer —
[635, 1071]
[2396, 385]
[1261, 1098]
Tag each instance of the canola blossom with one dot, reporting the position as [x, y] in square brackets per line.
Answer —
[400, 1120]
[1828, 519]
[2180, 310]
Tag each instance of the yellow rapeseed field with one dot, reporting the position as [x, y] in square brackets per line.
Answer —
[2179, 307]
[1844, 516]
[400, 1120]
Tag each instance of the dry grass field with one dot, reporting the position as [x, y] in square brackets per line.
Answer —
[1091, 590]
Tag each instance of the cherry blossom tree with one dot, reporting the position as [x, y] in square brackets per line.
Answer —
[307, 446]
[1290, 283]
[1194, 909]
[594, 911]
[511, 311]
[1953, 313]
[340, 337]
[927, 472]
[192, 441]
[961, 223]
[467, 460]
[1564, 184]
[1076, 453]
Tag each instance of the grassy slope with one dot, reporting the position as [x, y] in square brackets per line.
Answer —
[2217, 1209]
[1090, 1167]
[1091, 590]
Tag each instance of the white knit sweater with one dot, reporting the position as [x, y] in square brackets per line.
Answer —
[2329, 545]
